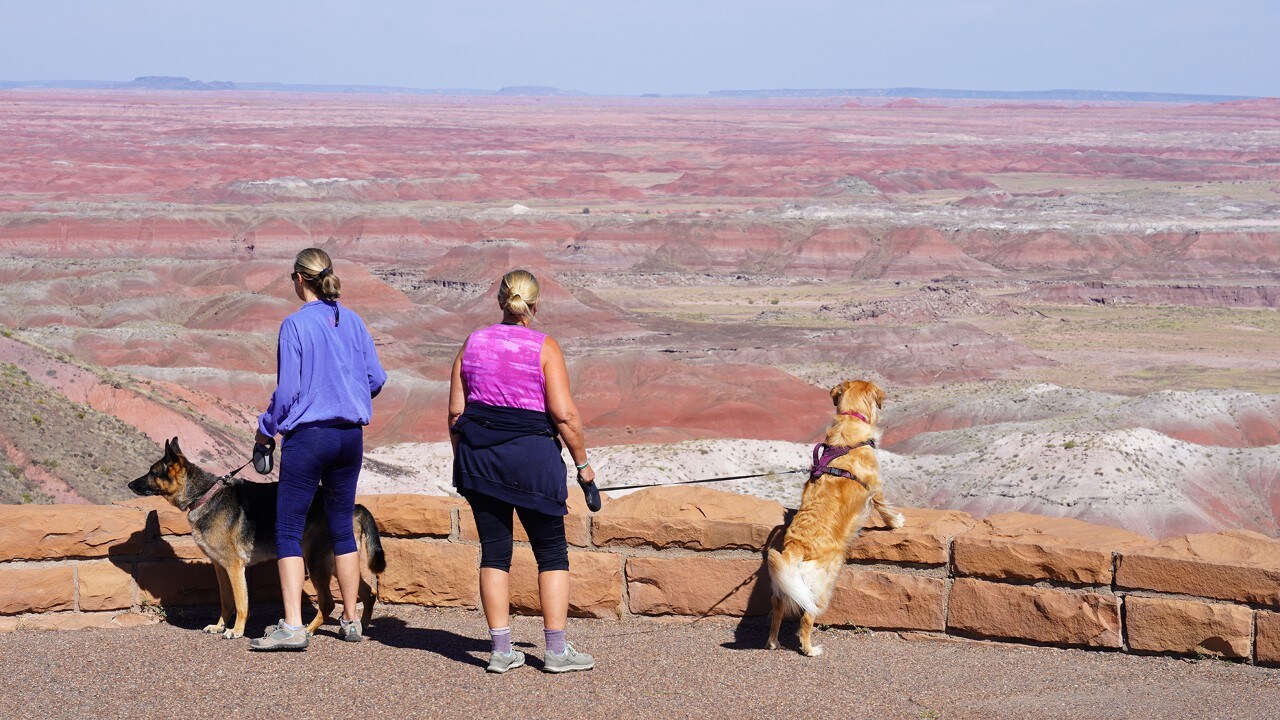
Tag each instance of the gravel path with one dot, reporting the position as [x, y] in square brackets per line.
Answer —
[428, 663]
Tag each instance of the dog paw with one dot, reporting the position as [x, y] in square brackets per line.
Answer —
[772, 645]
[215, 629]
[814, 651]
[232, 634]
[895, 520]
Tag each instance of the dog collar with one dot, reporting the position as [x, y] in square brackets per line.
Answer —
[215, 487]
[858, 415]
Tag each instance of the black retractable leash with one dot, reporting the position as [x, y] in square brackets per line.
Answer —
[263, 457]
[705, 480]
[592, 492]
[262, 461]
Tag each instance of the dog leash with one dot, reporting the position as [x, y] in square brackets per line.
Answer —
[819, 467]
[704, 480]
[215, 487]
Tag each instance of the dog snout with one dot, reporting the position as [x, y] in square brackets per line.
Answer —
[141, 486]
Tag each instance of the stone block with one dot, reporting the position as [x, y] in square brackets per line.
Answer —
[595, 584]
[697, 586]
[1237, 565]
[1019, 612]
[36, 588]
[924, 540]
[406, 515]
[1267, 641]
[873, 599]
[169, 519]
[178, 582]
[430, 573]
[1018, 546]
[687, 517]
[181, 547]
[1187, 627]
[54, 532]
[105, 585]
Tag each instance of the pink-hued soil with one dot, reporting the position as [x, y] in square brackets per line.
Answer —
[710, 267]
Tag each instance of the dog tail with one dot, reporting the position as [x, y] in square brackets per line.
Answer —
[372, 541]
[789, 581]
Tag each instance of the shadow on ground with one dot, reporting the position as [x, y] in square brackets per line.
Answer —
[395, 632]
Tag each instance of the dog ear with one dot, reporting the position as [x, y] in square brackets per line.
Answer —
[172, 450]
[878, 394]
[837, 391]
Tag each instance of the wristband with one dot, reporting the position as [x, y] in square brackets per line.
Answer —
[588, 462]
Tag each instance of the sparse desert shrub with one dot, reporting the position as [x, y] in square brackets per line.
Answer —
[27, 498]
[80, 415]
[773, 301]
[51, 464]
[155, 609]
[6, 332]
[1069, 444]
[36, 419]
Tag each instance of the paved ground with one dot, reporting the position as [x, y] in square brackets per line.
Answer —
[426, 663]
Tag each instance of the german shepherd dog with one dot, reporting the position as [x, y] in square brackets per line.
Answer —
[843, 487]
[233, 523]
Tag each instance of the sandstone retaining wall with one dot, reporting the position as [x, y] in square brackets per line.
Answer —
[693, 551]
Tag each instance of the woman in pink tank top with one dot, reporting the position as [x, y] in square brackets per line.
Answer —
[509, 409]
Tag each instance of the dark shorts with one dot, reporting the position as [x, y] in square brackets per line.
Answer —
[494, 524]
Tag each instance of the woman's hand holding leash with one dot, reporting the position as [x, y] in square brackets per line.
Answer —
[587, 481]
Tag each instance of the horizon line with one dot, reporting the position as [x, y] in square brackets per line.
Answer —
[174, 82]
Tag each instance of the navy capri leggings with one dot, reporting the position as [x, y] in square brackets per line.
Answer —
[494, 525]
[327, 458]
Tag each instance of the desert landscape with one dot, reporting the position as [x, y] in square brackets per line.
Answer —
[1071, 307]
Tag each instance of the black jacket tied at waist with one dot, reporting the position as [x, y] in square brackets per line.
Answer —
[510, 454]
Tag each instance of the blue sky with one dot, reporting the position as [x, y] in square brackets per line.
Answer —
[660, 46]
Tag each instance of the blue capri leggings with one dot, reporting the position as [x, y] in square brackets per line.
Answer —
[328, 458]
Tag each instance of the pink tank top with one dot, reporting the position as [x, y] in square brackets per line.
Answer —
[502, 366]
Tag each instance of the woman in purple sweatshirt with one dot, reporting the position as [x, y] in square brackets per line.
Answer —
[327, 374]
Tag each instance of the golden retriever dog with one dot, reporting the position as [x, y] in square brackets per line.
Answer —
[843, 487]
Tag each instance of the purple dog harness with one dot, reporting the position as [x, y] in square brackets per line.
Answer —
[823, 454]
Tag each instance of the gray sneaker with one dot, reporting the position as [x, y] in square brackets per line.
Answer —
[502, 662]
[350, 631]
[568, 662]
[279, 637]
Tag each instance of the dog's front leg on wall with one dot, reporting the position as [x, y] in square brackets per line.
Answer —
[226, 602]
[892, 518]
[239, 589]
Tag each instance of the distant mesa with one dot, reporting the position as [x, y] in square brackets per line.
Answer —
[171, 82]
[538, 91]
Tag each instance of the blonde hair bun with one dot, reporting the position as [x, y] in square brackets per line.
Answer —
[316, 268]
[518, 293]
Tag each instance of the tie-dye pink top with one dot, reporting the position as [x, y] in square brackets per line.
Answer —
[502, 366]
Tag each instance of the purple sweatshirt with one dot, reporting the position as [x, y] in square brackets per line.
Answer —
[325, 372]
